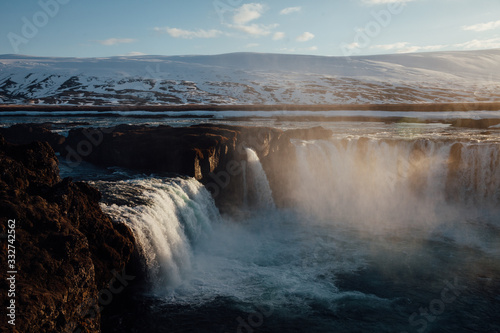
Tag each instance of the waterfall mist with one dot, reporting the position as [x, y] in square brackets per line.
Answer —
[385, 185]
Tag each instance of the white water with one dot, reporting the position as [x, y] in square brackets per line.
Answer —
[374, 228]
[257, 182]
[382, 184]
[479, 174]
[171, 218]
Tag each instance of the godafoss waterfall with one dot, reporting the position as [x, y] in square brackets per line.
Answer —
[359, 227]
[365, 232]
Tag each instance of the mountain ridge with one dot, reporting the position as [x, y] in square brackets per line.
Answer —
[252, 78]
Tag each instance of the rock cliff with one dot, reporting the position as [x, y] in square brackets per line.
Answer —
[67, 249]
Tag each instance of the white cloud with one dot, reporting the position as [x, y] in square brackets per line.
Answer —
[115, 41]
[492, 43]
[399, 45]
[306, 36]
[412, 49]
[290, 10]
[189, 34]
[278, 35]
[296, 50]
[255, 30]
[351, 46]
[248, 12]
[482, 26]
[131, 54]
[405, 47]
[252, 45]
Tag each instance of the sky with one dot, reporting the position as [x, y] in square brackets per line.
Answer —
[97, 28]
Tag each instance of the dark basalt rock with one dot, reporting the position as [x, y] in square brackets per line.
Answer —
[27, 133]
[66, 247]
[213, 154]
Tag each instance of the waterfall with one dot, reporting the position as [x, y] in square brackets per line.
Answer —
[257, 185]
[168, 218]
[382, 181]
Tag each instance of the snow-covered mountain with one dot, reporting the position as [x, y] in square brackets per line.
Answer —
[252, 78]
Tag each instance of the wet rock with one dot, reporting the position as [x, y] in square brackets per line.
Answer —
[66, 247]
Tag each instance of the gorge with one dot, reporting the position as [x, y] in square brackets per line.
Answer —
[300, 226]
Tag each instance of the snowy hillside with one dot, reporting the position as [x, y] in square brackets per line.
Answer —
[251, 78]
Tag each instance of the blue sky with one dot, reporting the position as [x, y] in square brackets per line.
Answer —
[97, 28]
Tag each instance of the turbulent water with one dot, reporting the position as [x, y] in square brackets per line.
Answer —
[381, 235]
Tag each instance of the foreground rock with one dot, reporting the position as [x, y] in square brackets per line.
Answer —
[66, 248]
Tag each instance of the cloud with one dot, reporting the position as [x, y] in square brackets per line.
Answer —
[278, 35]
[492, 43]
[295, 50]
[405, 47]
[412, 49]
[290, 10]
[306, 36]
[248, 12]
[399, 45]
[131, 54]
[251, 45]
[351, 46]
[115, 41]
[255, 30]
[383, 2]
[190, 34]
[482, 26]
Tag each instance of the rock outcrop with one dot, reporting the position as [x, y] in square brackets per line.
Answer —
[213, 154]
[27, 133]
[67, 249]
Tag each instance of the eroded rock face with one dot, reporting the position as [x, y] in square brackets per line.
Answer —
[213, 154]
[27, 133]
[66, 247]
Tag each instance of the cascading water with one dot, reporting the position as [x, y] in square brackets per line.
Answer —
[256, 182]
[168, 218]
[335, 259]
[379, 182]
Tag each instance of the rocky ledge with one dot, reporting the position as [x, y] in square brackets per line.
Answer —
[69, 254]
[213, 154]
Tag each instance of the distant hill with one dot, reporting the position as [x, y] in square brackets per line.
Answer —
[252, 78]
